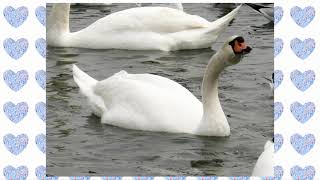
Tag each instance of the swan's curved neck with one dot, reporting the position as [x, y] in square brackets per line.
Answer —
[58, 23]
[213, 120]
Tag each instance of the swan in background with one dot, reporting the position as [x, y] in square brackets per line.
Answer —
[154, 103]
[266, 11]
[140, 28]
[264, 164]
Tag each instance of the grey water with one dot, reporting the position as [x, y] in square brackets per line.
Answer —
[78, 144]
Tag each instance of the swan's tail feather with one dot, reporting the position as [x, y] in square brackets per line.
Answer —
[86, 85]
[220, 24]
[83, 80]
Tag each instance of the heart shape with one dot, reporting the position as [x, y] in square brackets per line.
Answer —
[41, 15]
[239, 178]
[278, 14]
[175, 178]
[302, 144]
[41, 172]
[15, 17]
[41, 110]
[41, 78]
[302, 17]
[278, 78]
[15, 113]
[278, 46]
[143, 178]
[79, 178]
[302, 49]
[15, 81]
[20, 173]
[207, 178]
[52, 178]
[302, 81]
[15, 49]
[302, 112]
[41, 45]
[278, 110]
[278, 172]
[15, 144]
[306, 173]
[278, 142]
[41, 142]
[111, 178]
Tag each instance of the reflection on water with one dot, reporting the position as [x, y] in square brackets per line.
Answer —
[77, 142]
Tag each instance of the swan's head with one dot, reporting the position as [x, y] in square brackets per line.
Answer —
[235, 48]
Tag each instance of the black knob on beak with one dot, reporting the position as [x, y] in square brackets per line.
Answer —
[247, 50]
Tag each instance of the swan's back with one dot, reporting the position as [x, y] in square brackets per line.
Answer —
[148, 102]
[264, 165]
[149, 19]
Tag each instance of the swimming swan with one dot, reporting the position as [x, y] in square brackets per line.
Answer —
[140, 28]
[264, 164]
[177, 6]
[155, 103]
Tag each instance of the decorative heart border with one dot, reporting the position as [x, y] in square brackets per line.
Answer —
[283, 18]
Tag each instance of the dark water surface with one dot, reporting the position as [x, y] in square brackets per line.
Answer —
[78, 144]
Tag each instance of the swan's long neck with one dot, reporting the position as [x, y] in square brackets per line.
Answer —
[58, 23]
[214, 122]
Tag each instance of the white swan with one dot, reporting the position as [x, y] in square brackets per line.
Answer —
[264, 164]
[141, 28]
[154, 103]
[177, 6]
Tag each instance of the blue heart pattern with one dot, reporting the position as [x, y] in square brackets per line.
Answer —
[41, 110]
[207, 178]
[41, 172]
[40, 45]
[52, 178]
[111, 178]
[79, 178]
[302, 144]
[278, 46]
[15, 144]
[302, 17]
[41, 78]
[278, 14]
[306, 173]
[41, 15]
[302, 49]
[15, 81]
[175, 177]
[41, 142]
[302, 112]
[278, 78]
[278, 142]
[142, 178]
[240, 178]
[15, 17]
[302, 80]
[15, 49]
[278, 172]
[15, 113]
[20, 173]
[278, 110]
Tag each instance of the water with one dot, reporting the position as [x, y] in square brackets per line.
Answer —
[78, 144]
